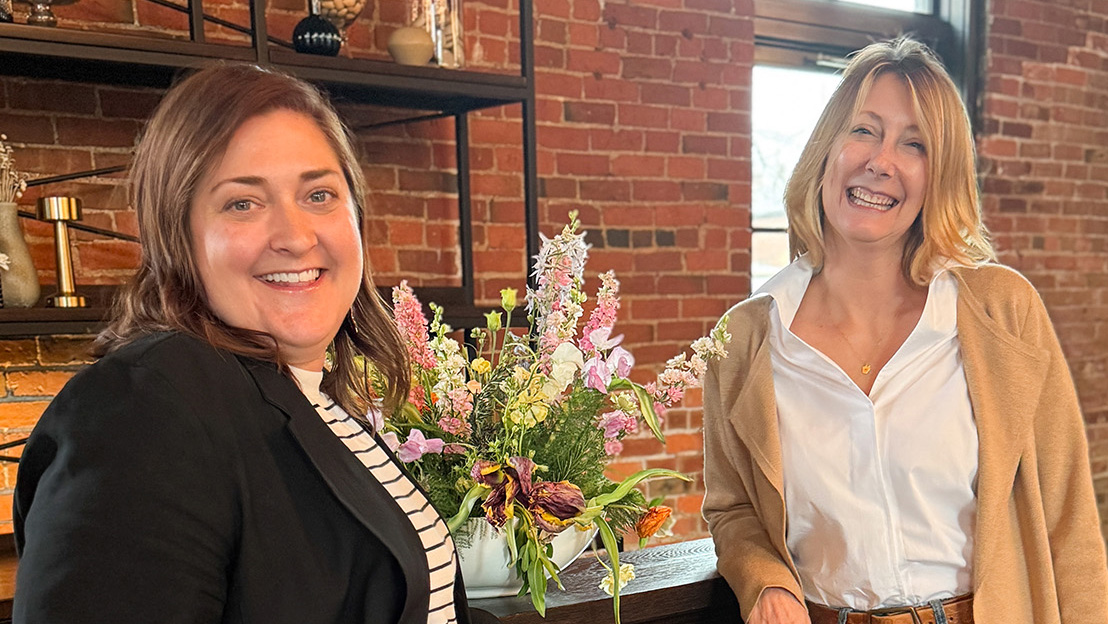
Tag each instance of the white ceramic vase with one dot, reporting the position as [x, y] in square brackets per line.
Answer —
[485, 568]
[20, 282]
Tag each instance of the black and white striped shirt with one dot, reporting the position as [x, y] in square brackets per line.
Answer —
[441, 559]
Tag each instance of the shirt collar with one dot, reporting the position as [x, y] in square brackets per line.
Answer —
[309, 382]
[788, 286]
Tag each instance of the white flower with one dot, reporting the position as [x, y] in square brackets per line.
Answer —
[601, 338]
[5, 262]
[626, 573]
[566, 360]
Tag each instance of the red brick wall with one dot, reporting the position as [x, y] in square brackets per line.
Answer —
[1044, 157]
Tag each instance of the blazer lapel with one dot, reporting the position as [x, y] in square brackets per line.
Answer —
[349, 480]
[753, 411]
[1005, 378]
[754, 417]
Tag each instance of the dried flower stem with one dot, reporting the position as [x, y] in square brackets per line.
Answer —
[12, 182]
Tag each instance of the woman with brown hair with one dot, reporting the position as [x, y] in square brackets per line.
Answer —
[894, 436]
[218, 463]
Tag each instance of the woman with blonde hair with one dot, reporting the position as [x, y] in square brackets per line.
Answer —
[894, 436]
[219, 463]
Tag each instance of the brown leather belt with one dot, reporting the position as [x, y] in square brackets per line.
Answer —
[958, 610]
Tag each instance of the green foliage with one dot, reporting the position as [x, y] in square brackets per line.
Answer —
[569, 444]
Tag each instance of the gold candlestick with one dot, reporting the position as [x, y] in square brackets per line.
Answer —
[61, 210]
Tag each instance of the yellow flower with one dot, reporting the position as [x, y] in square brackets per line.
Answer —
[481, 366]
[625, 403]
[508, 299]
[626, 573]
[493, 321]
[539, 410]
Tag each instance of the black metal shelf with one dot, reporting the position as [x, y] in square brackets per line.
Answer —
[129, 59]
[40, 320]
[135, 60]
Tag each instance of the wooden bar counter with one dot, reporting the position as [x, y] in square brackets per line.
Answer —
[674, 584]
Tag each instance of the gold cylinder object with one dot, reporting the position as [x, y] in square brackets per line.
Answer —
[62, 210]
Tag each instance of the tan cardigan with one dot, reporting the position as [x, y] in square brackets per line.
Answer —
[1038, 556]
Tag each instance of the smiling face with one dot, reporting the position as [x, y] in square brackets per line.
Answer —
[275, 236]
[876, 175]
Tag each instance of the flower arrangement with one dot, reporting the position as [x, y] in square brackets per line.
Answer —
[12, 182]
[519, 428]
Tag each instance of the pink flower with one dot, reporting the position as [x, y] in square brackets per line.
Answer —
[417, 446]
[674, 394]
[417, 398]
[613, 447]
[605, 312]
[375, 418]
[616, 422]
[454, 449]
[461, 401]
[408, 313]
[621, 361]
[391, 440]
[597, 374]
[455, 426]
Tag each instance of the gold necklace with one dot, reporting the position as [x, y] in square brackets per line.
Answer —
[866, 368]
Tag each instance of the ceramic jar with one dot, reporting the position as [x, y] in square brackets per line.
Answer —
[20, 281]
[411, 46]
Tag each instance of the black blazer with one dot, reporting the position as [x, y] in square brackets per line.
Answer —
[172, 482]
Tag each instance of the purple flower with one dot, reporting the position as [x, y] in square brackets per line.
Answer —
[554, 505]
[417, 446]
[507, 481]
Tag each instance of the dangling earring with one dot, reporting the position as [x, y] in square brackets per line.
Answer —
[352, 322]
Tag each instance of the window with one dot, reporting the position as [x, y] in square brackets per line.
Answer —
[781, 120]
[912, 6]
[799, 44]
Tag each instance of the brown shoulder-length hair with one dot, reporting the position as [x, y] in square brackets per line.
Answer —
[186, 136]
[949, 226]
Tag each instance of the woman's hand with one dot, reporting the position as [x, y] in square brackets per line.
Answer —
[778, 606]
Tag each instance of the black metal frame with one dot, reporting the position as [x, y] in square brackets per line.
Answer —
[12, 444]
[143, 60]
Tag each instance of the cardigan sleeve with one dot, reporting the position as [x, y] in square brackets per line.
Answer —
[123, 510]
[745, 556]
[1066, 486]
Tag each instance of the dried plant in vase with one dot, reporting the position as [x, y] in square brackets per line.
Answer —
[12, 182]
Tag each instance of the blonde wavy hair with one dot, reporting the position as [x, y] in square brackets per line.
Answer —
[186, 136]
[949, 226]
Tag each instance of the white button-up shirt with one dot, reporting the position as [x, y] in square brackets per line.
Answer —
[879, 489]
